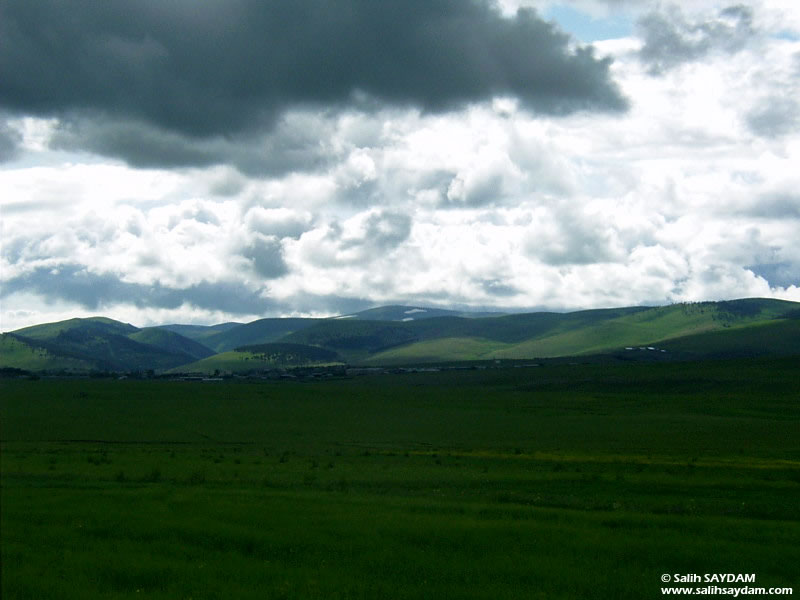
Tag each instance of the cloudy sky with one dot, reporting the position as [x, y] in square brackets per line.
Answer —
[200, 162]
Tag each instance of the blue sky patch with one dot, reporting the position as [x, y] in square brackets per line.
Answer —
[587, 28]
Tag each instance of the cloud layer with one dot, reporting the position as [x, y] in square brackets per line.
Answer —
[168, 83]
[259, 159]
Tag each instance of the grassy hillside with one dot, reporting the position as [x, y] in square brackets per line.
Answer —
[438, 337]
[199, 333]
[367, 340]
[19, 353]
[432, 351]
[98, 344]
[774, 338]
[171, 341]
[354, 340]
[263, 357]
[584, 332]
[258, 332]
[48, 331]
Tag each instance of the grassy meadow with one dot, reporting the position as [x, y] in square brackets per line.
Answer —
[568, 481]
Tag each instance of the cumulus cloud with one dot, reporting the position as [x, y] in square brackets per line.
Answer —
[569, 237]
[671, 40]
[774, 116]
[266, 255]
[278, 222]
[360, 240]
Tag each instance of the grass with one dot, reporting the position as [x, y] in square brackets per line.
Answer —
[19, 354]
[263, 357]
[781, 336]
[597, 331]
[582, 481]
[432, 351]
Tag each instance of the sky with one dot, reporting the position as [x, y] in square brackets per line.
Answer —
[185, 162]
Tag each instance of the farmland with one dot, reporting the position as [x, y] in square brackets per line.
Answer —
[561, 481]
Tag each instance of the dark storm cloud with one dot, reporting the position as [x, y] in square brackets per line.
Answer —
[75, 283]
[291, 145]
[10, 140]
[219, 67]
[671, 40]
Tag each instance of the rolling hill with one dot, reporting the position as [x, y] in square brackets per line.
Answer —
[171, 342]
[198, 333]
[97, 344]
[263, 357]
[585, 332]
[262, 331]
[778, 337]
[384, 336]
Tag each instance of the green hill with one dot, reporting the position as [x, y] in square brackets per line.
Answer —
[432, 351]
[584, 332]
[263, 357]
[171, 341]
[48, 331]
[230, 335]
[27, 354]
[354, 339]
[97, 344]
[199, 333]
[773, 338]
[258, 332]
[440, 339]
[747, 327]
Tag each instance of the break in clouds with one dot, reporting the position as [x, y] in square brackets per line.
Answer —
[234, 160]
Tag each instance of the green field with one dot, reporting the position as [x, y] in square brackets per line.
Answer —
[569, 481]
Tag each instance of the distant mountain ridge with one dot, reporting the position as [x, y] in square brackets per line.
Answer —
[394, 335]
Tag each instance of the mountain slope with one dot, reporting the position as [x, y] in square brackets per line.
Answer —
[747, 327]
[97, 344]
[263, 357]
[30, 355]
[171, 342]
[780, 337]
[258, 332]
[354, 339]
[199, 333]
[583, 332]
[48, 331]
